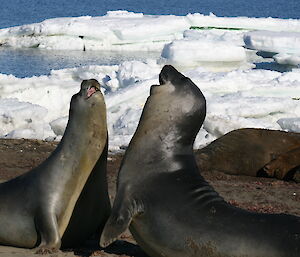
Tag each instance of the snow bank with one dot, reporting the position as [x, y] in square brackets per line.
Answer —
[191, 40]
[284, 44]
[290, 124]
[123, 30]
[204, 53]
[37, 107]
[287, 59]
[213, 49]
[237, 97]
[23, 120]
[244, 23]
[117, 30]
[276, 42]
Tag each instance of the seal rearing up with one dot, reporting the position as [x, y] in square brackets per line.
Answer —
[36, 207]
[168, 206]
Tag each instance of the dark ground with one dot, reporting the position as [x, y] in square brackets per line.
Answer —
[256, 194]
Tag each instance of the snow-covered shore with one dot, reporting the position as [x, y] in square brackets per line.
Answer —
[127, 31]
[218, 60]
[37, 107]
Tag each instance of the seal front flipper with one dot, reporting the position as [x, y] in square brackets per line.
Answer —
[124, 210]
[48, 230]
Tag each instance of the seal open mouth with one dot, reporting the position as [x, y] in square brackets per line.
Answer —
[91, 90]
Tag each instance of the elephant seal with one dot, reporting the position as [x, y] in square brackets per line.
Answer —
[168, 206]
[41, 208]
[249, 151]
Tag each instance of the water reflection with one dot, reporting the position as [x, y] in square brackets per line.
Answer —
[34, 62]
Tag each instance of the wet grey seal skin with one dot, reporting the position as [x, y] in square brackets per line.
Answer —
[92, 209]
[38, 208]
[248, 151]
[168, 206]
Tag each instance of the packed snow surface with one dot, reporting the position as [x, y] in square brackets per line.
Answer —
[217, 54]
[284, 44]
[37, 107]
[219, 38]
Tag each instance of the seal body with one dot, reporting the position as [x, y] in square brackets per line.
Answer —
[38, 208]
[168, 206]
[249, 152]
[92, 208]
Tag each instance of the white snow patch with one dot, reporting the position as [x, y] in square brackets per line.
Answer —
[205, 52]
[123, 30]
[290, 124]
[284, 44]
[237, 96]
[235, 99]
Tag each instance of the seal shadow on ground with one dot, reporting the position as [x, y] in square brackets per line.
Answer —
[119, 248]
[123, 247]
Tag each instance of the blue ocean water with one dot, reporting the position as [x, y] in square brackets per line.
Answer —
[17, 12]
[29, 62]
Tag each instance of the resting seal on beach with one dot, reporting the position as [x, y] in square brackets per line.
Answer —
[253, 152]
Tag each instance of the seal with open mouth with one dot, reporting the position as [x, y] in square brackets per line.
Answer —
[65, 199]
[168, 206]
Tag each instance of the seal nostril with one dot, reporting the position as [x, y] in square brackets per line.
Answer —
[161, 82]
[162, 79]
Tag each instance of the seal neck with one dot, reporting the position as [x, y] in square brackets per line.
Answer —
[158, 152]
[83, 141]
